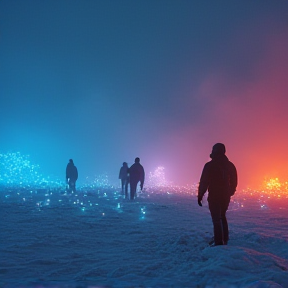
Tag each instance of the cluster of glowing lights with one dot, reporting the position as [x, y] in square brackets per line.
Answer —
[272, 188]
[17, 170]
[142, 212]
[172, 190]
[158, 184]
[101, 202]
[273, 194]
[276, 186]
[157, 178]
[101, 180]
[273, 184]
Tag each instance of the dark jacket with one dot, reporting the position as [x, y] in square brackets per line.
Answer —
[137, 173]
[123, 174]
[71, 172]
[219, 176]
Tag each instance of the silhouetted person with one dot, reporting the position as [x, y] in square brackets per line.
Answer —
[219, 176]
[71, 175]
[137, 174]
[124, 176]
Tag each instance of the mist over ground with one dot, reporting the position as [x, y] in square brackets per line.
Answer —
[105, 82]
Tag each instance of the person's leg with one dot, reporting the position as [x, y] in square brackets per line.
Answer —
[122, 186]
[224, 209]
[133, 187]
[72, 186]
[215, 210]
[126, 189]
[225, 229]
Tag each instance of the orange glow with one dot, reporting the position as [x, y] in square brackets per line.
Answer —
[272, 184]
[272, 188]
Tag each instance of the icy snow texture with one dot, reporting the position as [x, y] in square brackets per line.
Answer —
[98, 239]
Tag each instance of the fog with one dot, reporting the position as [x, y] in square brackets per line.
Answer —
[104, 82]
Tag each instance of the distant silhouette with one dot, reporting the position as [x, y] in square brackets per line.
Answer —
[71, 175]
[124, 176]
[219, 176]
[137, 174]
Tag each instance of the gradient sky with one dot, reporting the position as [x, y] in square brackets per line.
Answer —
[103, 82]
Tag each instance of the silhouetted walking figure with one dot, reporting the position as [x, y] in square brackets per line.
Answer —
[124, 176]
[137, 174]
[219, 176]
[71, 175]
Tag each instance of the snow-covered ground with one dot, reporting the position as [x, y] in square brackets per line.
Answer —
[95, 238]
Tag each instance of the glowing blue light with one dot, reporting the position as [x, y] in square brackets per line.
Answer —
[143, 212]
[18, 171]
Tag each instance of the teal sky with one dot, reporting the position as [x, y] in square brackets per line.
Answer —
[103, 82]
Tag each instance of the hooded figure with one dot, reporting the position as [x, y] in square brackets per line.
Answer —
[137, 174]
[71, 175]
[219, 176]
[124, 177]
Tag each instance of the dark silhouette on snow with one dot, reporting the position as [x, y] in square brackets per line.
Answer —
[219, 176]
[137, 174]
[124, 177]
[71, 175]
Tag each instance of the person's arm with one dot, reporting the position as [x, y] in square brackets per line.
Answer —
[203, 184]
[233, 179]
[67, 173]
[142, 178]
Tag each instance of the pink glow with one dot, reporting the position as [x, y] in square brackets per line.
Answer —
[249, 116]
